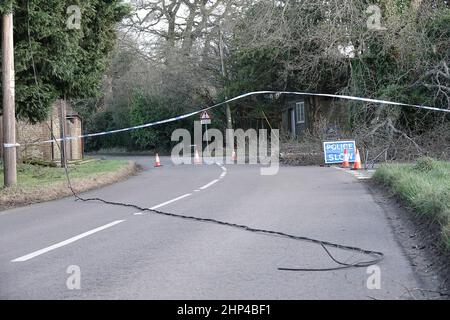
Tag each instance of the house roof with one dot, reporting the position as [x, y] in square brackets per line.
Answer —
[73, 115]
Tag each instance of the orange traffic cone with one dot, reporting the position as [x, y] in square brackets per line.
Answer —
[197, 159]
[157, 161]
[357, 164]
[345, 163]
[233, 156]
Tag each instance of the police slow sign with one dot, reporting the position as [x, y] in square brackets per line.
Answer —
[334, 151]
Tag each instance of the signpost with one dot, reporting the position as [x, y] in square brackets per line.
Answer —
[334, 151]
[205, 119]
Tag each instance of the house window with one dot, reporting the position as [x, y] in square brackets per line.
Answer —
[300, 112]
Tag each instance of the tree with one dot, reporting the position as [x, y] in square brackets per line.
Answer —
[54, 61]
[180, 38]
[327, 47]
[148, 107]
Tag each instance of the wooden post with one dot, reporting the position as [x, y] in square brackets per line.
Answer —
[224, 73]
[9, 116]
[229, 135]
[62, 125]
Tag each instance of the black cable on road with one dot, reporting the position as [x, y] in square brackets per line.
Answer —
[376, 256]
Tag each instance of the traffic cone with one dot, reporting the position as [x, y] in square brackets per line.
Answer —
[157, 161]
[357, 164]
[197, 159]
[345, 163]
[233, 156]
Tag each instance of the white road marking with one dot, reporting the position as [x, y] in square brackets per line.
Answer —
[360, 175]
[65, 242]
[224, 171]
[88, 233]
[170, 201]
[209, 184]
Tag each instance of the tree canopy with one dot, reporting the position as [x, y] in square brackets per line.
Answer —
[54, 61]
[174, 56]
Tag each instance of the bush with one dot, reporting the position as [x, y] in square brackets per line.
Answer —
[425, 164]
[146, 108]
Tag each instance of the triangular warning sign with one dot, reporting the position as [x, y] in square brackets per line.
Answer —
[205, 116]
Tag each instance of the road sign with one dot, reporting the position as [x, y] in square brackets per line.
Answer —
[334, 151]
[205, 118]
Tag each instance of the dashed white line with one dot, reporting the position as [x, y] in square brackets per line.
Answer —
[170, 201]
[90, 232]
[209, 184]
[65, 242]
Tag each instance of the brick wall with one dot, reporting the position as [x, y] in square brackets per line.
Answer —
[27, 132]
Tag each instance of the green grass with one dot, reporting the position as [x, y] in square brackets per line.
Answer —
[423, 187]
[34, 175]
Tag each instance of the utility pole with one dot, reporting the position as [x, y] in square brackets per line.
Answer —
[224, 73]
[9, 114]
[229, 135]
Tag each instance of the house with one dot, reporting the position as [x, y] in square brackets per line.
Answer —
[321, 116]
[27, 133]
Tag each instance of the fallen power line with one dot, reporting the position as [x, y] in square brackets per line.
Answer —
[376, 256]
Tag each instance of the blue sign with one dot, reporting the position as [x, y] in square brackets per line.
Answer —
[334, 151]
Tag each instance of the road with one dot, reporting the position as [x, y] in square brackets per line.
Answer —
[126, 254]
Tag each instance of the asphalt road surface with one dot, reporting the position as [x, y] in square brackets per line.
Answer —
[122, 253]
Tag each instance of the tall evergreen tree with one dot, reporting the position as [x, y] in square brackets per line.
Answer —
[55, 59]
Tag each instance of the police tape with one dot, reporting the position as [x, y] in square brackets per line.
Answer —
[10, 145]
[187, 115]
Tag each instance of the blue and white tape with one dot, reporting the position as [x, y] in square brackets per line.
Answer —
[187, 115]
[11, 145]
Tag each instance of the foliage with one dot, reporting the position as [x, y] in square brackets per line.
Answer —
[424, 187]
[279, 45]
[299, 46]
[147, 108]
[69, 63]
[6, 6]
[255, 69]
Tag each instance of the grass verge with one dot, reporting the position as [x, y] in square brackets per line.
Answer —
[424, 187]
[37, 183]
